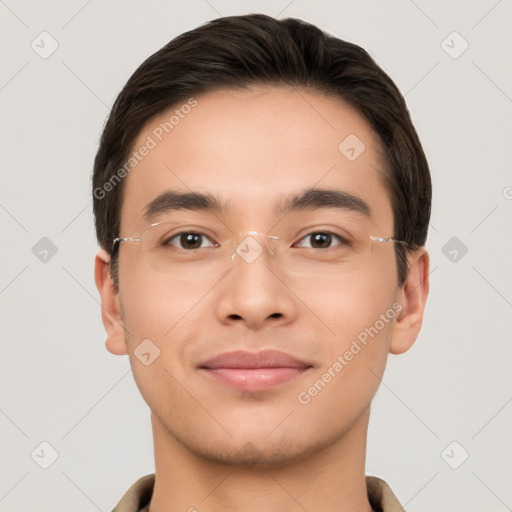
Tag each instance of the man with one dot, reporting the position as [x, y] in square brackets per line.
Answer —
[262, 203]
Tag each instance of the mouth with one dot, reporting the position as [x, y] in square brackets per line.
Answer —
[253, 372]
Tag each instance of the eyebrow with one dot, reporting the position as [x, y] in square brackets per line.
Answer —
[309, 199]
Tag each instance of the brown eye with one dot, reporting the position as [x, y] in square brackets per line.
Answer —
[188, 240]
[322, 240]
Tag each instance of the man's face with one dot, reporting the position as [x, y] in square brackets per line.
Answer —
[252, 150]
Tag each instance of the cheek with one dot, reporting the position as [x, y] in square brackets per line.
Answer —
[354, 357]
[344, 307]
[355, 319]
[153, 303]
[160, 317]
[156, 318]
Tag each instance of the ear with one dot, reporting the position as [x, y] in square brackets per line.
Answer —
[110, 305]
[412, 296]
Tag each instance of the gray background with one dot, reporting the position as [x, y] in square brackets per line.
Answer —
[59, 384]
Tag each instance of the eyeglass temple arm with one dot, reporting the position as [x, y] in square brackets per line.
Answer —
[383, 239]
[116, 241]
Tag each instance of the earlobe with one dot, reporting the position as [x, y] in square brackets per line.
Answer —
[412, 296]
[110, 305]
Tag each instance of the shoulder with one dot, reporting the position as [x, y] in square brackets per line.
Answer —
[381, 497]
[138, 496]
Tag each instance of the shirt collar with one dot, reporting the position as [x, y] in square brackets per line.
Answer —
[138, 496]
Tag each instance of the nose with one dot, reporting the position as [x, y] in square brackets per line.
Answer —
[254, 292]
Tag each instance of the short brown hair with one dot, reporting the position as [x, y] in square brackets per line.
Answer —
[243, 51]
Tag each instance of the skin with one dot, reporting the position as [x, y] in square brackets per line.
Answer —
[303, 456]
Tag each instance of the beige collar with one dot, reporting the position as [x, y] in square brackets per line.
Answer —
[138, 496]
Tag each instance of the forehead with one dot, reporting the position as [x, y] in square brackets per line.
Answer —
[253, 149]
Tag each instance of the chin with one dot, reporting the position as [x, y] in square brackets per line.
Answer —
[254, 454]
[256, 449]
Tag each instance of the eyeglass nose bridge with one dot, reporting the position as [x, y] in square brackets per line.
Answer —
[251, 244]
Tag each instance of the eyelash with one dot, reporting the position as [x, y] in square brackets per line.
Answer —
[343, 241]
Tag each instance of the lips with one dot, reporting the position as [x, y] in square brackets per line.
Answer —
[253, 371]
[252, 360]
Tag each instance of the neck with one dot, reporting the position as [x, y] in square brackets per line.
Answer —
[331, 479]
